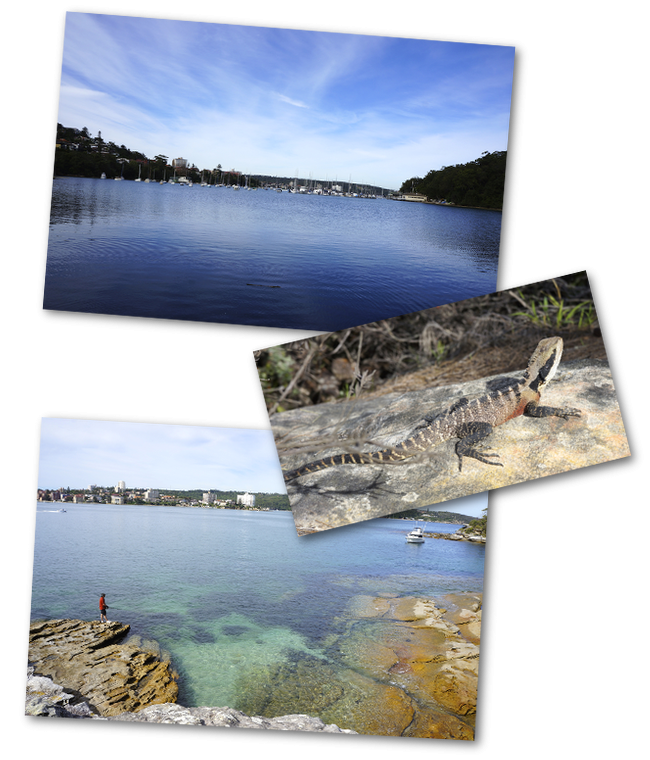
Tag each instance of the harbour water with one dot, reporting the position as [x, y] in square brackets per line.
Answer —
[259, 257]
[236, 598]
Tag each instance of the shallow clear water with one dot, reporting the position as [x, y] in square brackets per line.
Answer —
[260, 257]
[232, 594]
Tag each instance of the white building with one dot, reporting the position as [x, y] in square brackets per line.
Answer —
[151, 494]
[119, 488]
[247, 499]
[208, 497]
[117, 499]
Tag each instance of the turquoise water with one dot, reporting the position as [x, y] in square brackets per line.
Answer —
[233, 596]
[260, 257]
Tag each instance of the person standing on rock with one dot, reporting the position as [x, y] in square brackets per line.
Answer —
[102, 609]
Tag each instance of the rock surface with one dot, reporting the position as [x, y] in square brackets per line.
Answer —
[529, 448]
[427, 651]
[226, 717]
[44, 697]
[89, 657]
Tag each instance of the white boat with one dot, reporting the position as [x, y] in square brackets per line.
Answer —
[103, 175]
[415, 536]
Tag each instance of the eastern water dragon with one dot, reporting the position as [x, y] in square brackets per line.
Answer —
[469, 421]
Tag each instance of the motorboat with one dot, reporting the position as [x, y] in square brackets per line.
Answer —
[416, 536]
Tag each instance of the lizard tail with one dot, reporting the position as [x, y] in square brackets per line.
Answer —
[368, 457]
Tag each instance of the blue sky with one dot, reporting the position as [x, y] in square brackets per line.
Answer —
[377, 110]
[80, 453]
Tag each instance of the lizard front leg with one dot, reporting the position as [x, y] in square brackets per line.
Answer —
[533, 409]
[471, 433]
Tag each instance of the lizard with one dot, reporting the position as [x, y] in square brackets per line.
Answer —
[469, 421]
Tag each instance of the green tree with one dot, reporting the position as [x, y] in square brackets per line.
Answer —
[478, 183]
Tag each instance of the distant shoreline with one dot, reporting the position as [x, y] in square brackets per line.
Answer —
[447, 205]
[180, 506]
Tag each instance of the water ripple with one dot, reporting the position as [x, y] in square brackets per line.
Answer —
[260, 258]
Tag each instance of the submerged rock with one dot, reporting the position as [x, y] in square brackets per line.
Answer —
[428, 652]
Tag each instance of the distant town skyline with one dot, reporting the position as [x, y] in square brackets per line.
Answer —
[280, 102]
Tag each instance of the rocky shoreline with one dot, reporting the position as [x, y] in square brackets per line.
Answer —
[48, 699]
[475, 538]
[106, 679]
[408, 666]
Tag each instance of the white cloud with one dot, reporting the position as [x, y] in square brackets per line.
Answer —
[278, 101]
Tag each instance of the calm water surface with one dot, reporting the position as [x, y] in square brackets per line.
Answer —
[260, 257]
[232, 594]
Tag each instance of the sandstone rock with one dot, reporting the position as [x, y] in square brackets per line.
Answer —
[87, 657]
[529, 448]
[421, 649]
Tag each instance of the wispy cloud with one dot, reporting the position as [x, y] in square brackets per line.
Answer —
[271, 100]
[292, 102]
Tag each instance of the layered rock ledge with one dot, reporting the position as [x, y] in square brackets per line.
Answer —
[90, 658]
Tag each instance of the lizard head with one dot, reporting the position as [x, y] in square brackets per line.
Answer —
[543, 363]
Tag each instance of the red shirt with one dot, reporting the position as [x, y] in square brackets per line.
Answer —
[102, 603]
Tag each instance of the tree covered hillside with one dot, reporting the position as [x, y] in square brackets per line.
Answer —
[478, 183]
